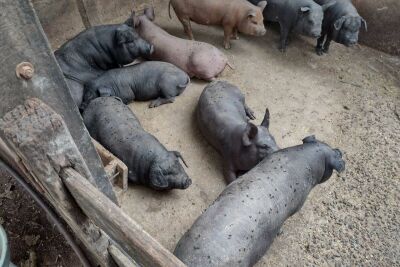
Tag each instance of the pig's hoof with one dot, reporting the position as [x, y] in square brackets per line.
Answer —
[325, 50]
[319, 51]
[154, 104]
[227, 46]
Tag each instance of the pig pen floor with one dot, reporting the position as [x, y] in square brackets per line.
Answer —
[348, 98]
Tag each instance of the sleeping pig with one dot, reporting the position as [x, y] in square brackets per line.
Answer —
[197, 59]
[240, 226]
[157, 80]
[299, 16]
[341, 23]
[234, 16]
[223, 119]
[114, 125]
[95, 50]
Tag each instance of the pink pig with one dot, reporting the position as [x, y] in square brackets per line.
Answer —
[198, 59]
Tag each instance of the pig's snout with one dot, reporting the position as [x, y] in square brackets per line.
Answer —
[261, 32]
[182, 183]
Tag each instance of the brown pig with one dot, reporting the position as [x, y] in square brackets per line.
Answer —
[197, 59]
[234, 16]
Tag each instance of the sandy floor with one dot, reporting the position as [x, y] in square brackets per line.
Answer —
[347, 98]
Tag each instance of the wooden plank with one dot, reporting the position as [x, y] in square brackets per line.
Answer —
[120, 258]
[22, 39]
[120, 227]
[42, 147]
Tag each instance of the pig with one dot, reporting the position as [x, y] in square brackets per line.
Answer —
[234, 16]
[197, 59]
[341, 24]
[299, 16]
[223, 119]
[239, 227]
[113, 124]
[157, 80]
[95, 50]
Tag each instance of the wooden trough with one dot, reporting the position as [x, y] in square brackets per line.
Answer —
[42, 137]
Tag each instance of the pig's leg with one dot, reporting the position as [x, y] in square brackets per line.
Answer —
[235, 34]
[284, 37]
[187, 27]
[229, 172]
[319, 47]
[249, 112]
[327, 44]
[161, 101]
[228, 30]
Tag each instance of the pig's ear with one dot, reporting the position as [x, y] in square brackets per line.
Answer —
[304, 9]
[328, 5]
[309, 139]
[157, 179]
[265, 122]
[365, 23]
[249, 134]
[122, 36]
[149, 13]
[251, 14]
[262, 5]
[339, 22]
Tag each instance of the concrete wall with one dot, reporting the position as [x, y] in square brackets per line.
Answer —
[62, 19]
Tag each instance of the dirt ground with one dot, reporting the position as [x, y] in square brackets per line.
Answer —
[349, 98]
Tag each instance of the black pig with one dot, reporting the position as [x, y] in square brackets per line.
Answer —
[157, 80]
[114, 125]
[95, 50]
[239, 227]
[341, 24]
[299, 16]
[223, 119]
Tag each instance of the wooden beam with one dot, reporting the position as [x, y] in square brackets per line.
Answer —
[120, 258]
[119, 226]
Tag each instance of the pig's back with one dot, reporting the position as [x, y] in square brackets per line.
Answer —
[238, 228]
[220, 111]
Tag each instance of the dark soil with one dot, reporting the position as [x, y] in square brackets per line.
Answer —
[28, 228]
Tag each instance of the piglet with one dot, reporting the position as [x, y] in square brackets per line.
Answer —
[96, 50]
[234, 16]
[157, 80]
[240, 226]
[223, 119]
[299, 16]
[341, 24]
[114, 125]
[198, 59]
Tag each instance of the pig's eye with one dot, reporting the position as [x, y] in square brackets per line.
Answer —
[254, 22]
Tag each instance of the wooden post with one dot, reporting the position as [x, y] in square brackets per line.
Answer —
[119, 226]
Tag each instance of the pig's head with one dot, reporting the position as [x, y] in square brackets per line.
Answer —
[346, 29]
[333, 158]
[257, 140]
[310, 18]
[252, 21]
[168, 173]
[129, 45]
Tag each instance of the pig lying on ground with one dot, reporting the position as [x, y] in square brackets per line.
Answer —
[299, 16]
[197, 59]
[239, 227]
[100, 48]
[341, 23]
[222, 117]
[234, 15]
[148, 80]
[113, 125]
